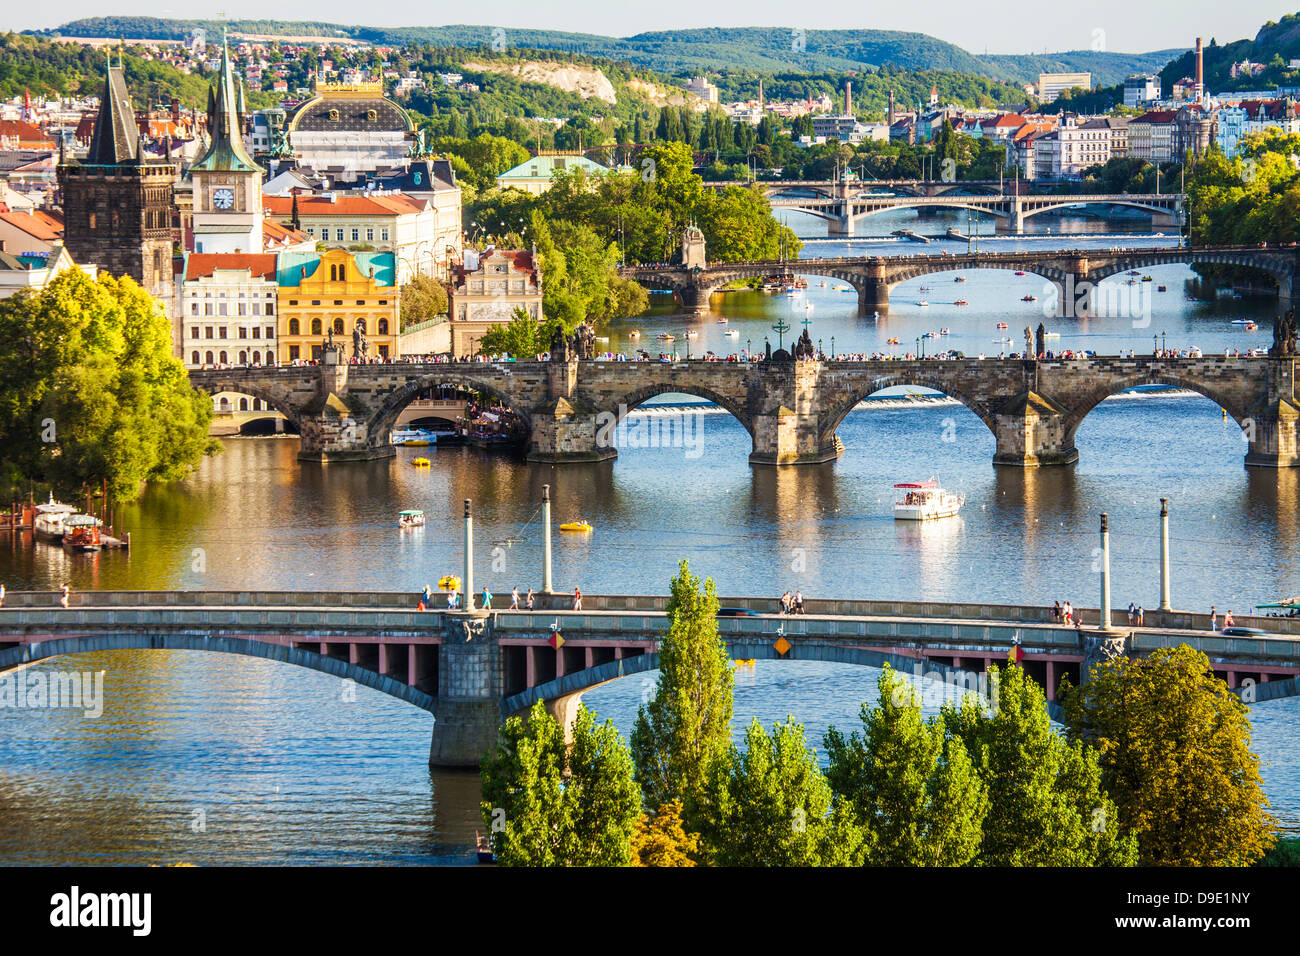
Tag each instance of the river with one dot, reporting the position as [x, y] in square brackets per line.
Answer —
[213, 759]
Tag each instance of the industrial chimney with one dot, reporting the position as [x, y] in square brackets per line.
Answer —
[1200, 72]
[891, 107]
[848, 97]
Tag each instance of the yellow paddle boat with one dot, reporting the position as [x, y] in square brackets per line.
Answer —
[421, 462]
[580, 526]
[449, 582]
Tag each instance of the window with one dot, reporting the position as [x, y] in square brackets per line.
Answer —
[194, 308]
[315, 301]
[338, 326]
[383, 351]
[92, 221]
[291, 302]
[270, 331]
[222, 358]
[338, 234]
[209, 358]
[315, 326]
[221, 308]
[383, 326]
[293, 327]
[311, 231]
[194, 331]
[356, 234]
[370, 235]
[207, 308]
[383, 234]
[383, 302]
[243, 360]
[207, 331]
[294, 352]
[361, 301]
[257, 332]
[194, 358]
[221, 333]
[243, 332]
[270, 308]
[243, 308]
[243, 402]
[338, 301]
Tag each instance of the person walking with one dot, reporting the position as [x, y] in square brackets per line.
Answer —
[529, 599]
[577, 599]
[1214, 618]
[1056, 613]
[66, 598]
[487, 599]
[798, 602]
[1227, 620]
[514, 598]
[1068, 612]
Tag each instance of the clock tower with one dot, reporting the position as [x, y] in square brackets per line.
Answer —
[227, 184]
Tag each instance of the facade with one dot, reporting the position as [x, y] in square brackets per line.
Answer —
[29, 231]
[228, 309]
[33, 271]
[1052, 85]
[117, 205]
[1254, 116]
[702, 88]
[485, 291]
[1151, 136]
[336, 293]
[226, 185]
[408, 228]
[1141, 89]
[1193, 131]
[351, 129]
[534, 175]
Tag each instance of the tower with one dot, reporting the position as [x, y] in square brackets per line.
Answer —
[117, 206]
[848, 97]
[227, 184]
[693, 255]
[1198, 92]
[891, 107]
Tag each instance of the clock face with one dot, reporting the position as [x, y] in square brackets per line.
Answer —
[223, 198]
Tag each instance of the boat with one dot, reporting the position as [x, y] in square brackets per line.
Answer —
[1029, 298]
[602, 338]
[923, 500]
[922, 302]
[414, 437]
[1021, 273]
[961, 302]
[1146, 279]
[1134, 272]
[580, 526]
[891, 341]
[483, 848]
[449, 582]
[664, 337]
[634, 334]
[81, 533]
[822, 283]
[1051, 335]
[844, 288]
[959, 279]
[929, 335]
[1004, 341]
[421, 462]
[1002, 325]
[410, 518]
[48, 525]
[722, 320]
[692, 334]
[1242, 322]
[1161, 288]
[732, 333]
[943, 331]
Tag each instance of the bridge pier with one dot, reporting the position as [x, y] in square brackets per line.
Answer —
[471, 682]
[334, 437]
[696, 300]
[873, 296]
[840, 226]
[1272, 437]
[789, 430]
[1032, 430]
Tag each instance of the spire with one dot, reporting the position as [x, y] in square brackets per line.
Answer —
[297, 223]
[226, 150]
[116, 138]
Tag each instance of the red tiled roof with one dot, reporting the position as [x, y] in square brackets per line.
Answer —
[1155, 116]
[257, 263]
[277, 233]
[344, 205]
[37, 224]
[25, 134]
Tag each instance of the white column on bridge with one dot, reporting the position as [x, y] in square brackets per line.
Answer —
[546, 539]
[1164, 555]
[468, 583]
[1105, 572]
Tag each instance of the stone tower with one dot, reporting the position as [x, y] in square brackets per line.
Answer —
[117, 205]
[227, 184]
[693, 248]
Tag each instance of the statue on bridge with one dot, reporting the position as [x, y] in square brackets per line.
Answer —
[803, 347]
[559, 345]
[584, 342]
[1284, 335]
[1041, 340]
[359, 344]
[1029, 343]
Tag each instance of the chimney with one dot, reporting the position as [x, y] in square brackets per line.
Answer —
[1200, 71]
[891, 107]
[848, 97]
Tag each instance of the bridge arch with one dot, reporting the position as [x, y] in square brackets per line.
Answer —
[381, 423]
[936, 266]
[334, 666]
[213, 384]
[924, 202]
[1080, 407]
[922, 378]
[622, 405]
[1033, 209]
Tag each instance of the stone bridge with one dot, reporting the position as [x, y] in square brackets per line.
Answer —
[470, 670]
[791, 409]
[874, 276]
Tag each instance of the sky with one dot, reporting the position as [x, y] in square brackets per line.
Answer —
[1011, 26]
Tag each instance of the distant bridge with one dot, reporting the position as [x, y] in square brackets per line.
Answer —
[472, 669]
[874, 276]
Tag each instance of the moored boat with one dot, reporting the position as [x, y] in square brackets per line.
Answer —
[923, 500]
[410, 518]
[48, 524]
[81, 533]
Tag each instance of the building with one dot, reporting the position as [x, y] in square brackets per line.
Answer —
[1151, 136]
[370, 221]
[1052, 85]
[228, 309]
[226, 185]
[1141, 89]
[350, 129]
[485, 291]
[534, 176]
[117, 204]
[33, 271]
[336, 294]
[1193, 131]
[29, 231]
[702, 88]
[1254, 116]
[20, 135]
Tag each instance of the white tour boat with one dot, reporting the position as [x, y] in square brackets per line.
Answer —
[48, 524]
[925, 499]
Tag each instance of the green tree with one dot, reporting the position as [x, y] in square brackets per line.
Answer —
[90, 391]
[686, 727]
[1174, 746]
[562, 806]
[661, 839]
[1047, 805]
[911, 786]
[423, 298]
[523, 338]
[770, 805]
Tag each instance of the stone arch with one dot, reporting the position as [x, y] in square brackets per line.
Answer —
[930, 202]
[381, 423]
[1082, 200]
[335, 666]
[1079, 409]
[922, 378]
[938, 265]
[213, 384]
[625, 404]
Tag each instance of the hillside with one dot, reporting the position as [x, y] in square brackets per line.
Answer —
[759, 49]
[1276, 44]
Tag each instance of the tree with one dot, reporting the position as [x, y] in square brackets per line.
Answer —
[911, 786]
[90, 391]
[422, 298]
[558, 805]
[686, 728]
[661, 839]
[523, 337]
[1174, 745]
[1047, 806]
[771, 806]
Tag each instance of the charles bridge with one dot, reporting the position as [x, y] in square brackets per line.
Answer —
[471, 669]
[791, 409]
[874, 276]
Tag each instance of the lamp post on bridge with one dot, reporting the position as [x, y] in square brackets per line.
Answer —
[467, 584]
[1105, 573]
[546, 539]
[1164, 555]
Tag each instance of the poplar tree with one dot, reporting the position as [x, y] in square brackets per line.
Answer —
[686, 728]
[912, 787]
[1174, 746]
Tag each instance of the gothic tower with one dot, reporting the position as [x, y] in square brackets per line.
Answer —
[227, 183]
[117, 205]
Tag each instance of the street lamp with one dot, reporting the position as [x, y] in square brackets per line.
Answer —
[832, 346]
[1163, 345]
[1155, 343]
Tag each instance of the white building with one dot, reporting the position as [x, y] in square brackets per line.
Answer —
[227, 305]
[1052, 85]
[1141, 89]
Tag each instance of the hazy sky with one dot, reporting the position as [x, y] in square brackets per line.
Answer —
[1017, 26]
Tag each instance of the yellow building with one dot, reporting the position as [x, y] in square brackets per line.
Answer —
[340, 292]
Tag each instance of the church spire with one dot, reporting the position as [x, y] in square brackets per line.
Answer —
[226, 151]
[116, 139]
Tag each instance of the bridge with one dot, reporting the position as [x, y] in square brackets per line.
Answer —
[908, 187]
[472, 669]
[874, 276]
[791, 409]
[844, 203]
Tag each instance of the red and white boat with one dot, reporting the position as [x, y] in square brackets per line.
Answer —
[923, 500]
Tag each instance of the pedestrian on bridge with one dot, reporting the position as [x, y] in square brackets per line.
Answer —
[529, 600]
[1068, 613]
[786, 602]
[514, 599]
[1214, 618]
[487, 598]
[65, 599]
[577, 599]
[1056, 613]
[1227, 620]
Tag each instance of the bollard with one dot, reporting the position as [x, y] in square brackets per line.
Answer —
[468, 584]
[1164, 555]
[546, 539]
[1105, 572]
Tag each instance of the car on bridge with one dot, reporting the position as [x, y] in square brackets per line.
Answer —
[1244, 632]
[736, 612]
